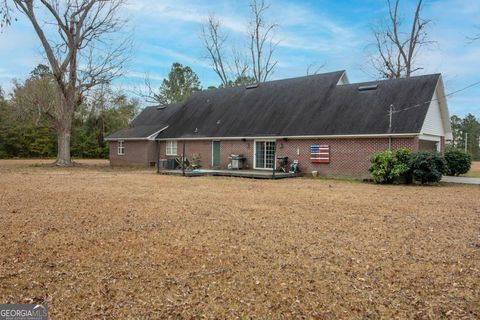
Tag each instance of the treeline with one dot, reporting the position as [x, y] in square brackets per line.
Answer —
[27, 131]
[466, 134]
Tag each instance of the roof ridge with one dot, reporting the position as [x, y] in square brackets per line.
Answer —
[266, 83]
[393, 80]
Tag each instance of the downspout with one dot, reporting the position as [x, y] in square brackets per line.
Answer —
[183, 159]
[390, 114]
[158, 155]
[274, 159]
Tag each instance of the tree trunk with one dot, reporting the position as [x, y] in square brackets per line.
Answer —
[63, 142]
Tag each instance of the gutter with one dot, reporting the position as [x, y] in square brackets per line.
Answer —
[346, 136]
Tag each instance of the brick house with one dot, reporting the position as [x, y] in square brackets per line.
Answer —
[326, 123]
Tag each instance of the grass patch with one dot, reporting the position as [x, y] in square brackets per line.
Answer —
[474, 171]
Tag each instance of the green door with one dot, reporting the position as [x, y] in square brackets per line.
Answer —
[215, 153]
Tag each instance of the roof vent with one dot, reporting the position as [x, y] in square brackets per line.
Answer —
[251, 86]
[368, 87]
[161, 107]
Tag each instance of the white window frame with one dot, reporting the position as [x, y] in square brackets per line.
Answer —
[255, 154]
[121, 148]
[171, 148]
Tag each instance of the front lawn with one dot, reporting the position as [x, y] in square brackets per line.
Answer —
[97, 243]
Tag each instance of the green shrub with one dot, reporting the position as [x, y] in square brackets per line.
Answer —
[387, 166]
[458, 162]
[427, 167]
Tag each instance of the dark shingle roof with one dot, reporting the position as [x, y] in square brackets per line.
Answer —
[311, 105]
[305, 106]
[148, 122]
[348, 111]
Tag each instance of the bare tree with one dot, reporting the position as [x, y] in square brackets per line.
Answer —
[76, 37]
[262, 45]
[146, 92]
[36, 98]
[5, 18]
[242, 67]
[314, 68]
[233, 68]
[214, 41]
[396, 49]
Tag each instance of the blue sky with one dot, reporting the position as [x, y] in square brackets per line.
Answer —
[334, 33]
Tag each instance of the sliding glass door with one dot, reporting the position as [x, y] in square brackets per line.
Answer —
[264, 154]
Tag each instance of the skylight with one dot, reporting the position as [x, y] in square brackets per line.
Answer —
[368, 87]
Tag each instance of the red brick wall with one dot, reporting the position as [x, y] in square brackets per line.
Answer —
[137, 152]
[245, 148]
[442, 145]
[204, 149]
[200, 147]
[348, 157]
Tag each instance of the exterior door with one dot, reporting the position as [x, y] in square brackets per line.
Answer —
[264, 154]
[215, 153]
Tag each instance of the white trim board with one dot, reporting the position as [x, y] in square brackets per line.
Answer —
[347, 136]
[437, 119]
[427, 137]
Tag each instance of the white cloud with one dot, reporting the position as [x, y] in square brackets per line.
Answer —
[310, 31]
[143, 75]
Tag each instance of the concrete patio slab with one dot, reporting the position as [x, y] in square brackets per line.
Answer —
[464, 180]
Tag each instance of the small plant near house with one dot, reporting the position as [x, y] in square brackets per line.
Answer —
[196, 161]
[458, 162]
[390, 166]
[427, 167]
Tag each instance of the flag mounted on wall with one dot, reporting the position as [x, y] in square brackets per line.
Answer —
[320, 153]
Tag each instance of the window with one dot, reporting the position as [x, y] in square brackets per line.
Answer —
[120, 148]
[171, 148]
[264, 154]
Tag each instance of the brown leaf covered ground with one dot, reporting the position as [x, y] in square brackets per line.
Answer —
[97, 242]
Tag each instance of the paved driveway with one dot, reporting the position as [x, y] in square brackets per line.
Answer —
[465, 180]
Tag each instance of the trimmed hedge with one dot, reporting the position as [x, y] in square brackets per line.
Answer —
[387, 166]
[403, 166]
[427, 167]
[458, 162]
